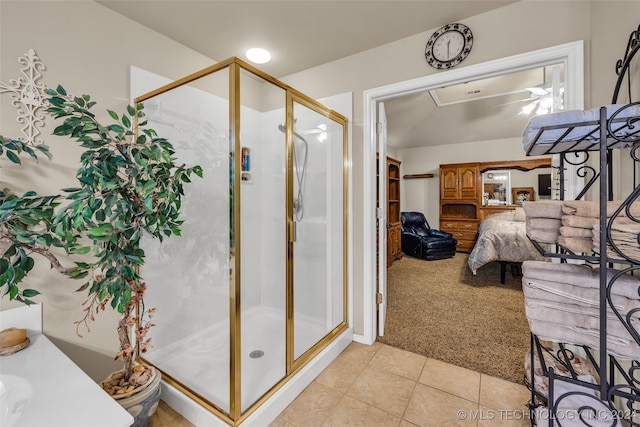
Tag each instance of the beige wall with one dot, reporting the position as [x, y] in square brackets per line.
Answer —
[89, 48]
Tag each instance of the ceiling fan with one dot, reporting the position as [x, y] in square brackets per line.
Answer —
[540, 99]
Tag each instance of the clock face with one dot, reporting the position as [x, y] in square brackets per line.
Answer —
[449, 46]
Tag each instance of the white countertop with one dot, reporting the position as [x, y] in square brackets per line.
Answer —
[55, 392]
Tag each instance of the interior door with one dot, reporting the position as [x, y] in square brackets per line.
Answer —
[381, 215]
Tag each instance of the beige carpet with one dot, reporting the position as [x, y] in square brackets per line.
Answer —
[440, 310]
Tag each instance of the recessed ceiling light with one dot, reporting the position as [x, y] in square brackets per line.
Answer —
[258, 55]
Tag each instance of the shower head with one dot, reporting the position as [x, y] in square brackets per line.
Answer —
[283, 129]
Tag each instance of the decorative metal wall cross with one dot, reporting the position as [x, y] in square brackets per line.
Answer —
[28, 97]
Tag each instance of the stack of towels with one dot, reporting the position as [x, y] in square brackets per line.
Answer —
[624, 235]
[579, 217]
[543, 220]
[562, 304]
[575, 225]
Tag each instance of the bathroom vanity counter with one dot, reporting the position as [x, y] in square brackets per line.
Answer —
[41, 386]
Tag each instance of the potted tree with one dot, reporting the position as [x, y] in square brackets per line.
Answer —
[129, 188]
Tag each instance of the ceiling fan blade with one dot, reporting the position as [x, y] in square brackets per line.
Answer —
[537, 91]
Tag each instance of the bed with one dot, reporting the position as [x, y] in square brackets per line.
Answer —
[502, 238]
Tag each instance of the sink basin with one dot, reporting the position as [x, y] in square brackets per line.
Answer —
[15, 395]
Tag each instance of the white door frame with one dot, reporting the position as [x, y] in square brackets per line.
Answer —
[571, 54]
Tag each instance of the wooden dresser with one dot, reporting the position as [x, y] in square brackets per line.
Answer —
[460, 200]
[461, 209]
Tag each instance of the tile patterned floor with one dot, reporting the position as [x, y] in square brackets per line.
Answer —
[380, 385]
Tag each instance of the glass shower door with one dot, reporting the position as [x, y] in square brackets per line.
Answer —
[318, 218]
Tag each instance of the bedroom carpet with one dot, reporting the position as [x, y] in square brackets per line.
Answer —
[440, 310]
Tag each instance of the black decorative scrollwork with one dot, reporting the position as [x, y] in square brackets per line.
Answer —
[584, 406]
[634, 41]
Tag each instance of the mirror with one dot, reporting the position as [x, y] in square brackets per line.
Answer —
[496, 187]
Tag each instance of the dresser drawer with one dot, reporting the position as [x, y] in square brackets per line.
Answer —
[464, 231]
[448, 225]
[465, 245]
[464, 235]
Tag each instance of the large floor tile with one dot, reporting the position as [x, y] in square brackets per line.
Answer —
[504, 418]
[399, 362]
[341, 373]
[383, 390]
[361, 353]
[405, 423]
[312, 406]
[166, 416]
[281, 422]
[453, 379]
[353, 412]
[499, 394]
[429, 407]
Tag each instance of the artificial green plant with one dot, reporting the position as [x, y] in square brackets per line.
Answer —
[129, 186]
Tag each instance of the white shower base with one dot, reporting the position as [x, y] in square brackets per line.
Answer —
[268, 411]
[201, 360]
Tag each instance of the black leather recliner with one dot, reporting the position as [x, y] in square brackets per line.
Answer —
[421, 241]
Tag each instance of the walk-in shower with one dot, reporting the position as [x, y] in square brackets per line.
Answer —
[256, 286]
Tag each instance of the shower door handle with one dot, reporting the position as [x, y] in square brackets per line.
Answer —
[292, 231]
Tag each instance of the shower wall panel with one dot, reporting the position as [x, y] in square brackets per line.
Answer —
[192, 316]
[263, 244]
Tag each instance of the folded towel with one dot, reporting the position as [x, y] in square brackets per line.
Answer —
[622, 227]
[542, 236]
[576, 244]
[582, 317]
[582, 233]
[624, 236]
[582, 276]
[592, 209]
[543, 209]
[539, 139]
[579, 221]
[547, 224]
[628, 350]
[580, 295]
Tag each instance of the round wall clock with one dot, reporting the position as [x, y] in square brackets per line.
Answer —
[449, 46]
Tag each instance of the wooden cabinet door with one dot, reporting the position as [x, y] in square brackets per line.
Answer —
[468, 176]
[459, 182]
[449, 183]
[394, 243]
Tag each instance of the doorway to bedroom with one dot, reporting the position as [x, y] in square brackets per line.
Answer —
[570, 56]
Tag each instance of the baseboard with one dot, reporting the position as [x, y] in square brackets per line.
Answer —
[362, 339]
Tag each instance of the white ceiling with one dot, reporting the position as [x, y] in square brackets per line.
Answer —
[481, 110]
[300, 34]
[304, 33]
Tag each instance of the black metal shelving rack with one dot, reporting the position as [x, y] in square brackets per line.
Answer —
[615, 399]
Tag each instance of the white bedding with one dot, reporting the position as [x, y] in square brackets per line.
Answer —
[500, 238]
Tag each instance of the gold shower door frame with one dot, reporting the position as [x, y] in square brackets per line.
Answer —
[235, 65]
